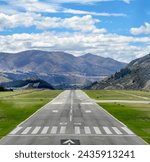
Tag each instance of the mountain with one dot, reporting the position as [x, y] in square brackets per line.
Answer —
[4, 78]
[27, 84]
[57, 67]
[136, 75]
[97, 65]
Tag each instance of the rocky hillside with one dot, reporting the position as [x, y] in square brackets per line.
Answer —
[136, 75]
[27, 84]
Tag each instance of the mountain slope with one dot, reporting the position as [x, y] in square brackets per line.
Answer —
[135, 76]
[50, 65]
[56, 62]
[4, 78]
[28, 83]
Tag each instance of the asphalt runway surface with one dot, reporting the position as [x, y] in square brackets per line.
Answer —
[72, 118]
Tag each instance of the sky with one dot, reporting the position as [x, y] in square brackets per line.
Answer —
[119, 29]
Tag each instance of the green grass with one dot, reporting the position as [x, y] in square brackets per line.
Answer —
[135, 116]
[15, 109]
[9, 93]
[118, 95]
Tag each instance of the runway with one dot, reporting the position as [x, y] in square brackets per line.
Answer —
[72, 118]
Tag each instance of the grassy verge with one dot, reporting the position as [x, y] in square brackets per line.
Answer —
[15, 109]
[118, 95]
[135, 116]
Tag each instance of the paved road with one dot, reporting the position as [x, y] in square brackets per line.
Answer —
[71, 118]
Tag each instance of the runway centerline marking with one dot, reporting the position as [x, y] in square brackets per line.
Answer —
[71, 109]
[70, 117]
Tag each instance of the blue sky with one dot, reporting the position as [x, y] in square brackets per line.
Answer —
[119, 29]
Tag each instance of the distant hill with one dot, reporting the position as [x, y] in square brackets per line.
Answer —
[27, 84]
[4, 78]
[136, 75]
[57, 67]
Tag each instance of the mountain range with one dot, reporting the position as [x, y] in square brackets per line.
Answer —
[57, 68]
[136, 75]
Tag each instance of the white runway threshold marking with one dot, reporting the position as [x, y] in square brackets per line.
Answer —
[107, 130]
[116, 130]
[127, 130]
[62, 130]
[26, 130]
[45, 130]
[16, 130]
[54, 130]
[77, 130]
[97, 130]
[36, 130]
[87, 130]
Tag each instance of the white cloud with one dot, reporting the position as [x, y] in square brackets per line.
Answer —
[81, 12]
[144, 29]
[107, 45]
[36, 6]
[8, 22]
[33, 6]
[84, 24]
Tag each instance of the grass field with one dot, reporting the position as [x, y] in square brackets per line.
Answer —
[118, 95]
[135, 116]
[16, 108]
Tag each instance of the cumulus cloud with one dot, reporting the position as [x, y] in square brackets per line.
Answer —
[51, 7]
[33, 6]
[8, 22]
[107, 45]
[144, 29]
[84, 24]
